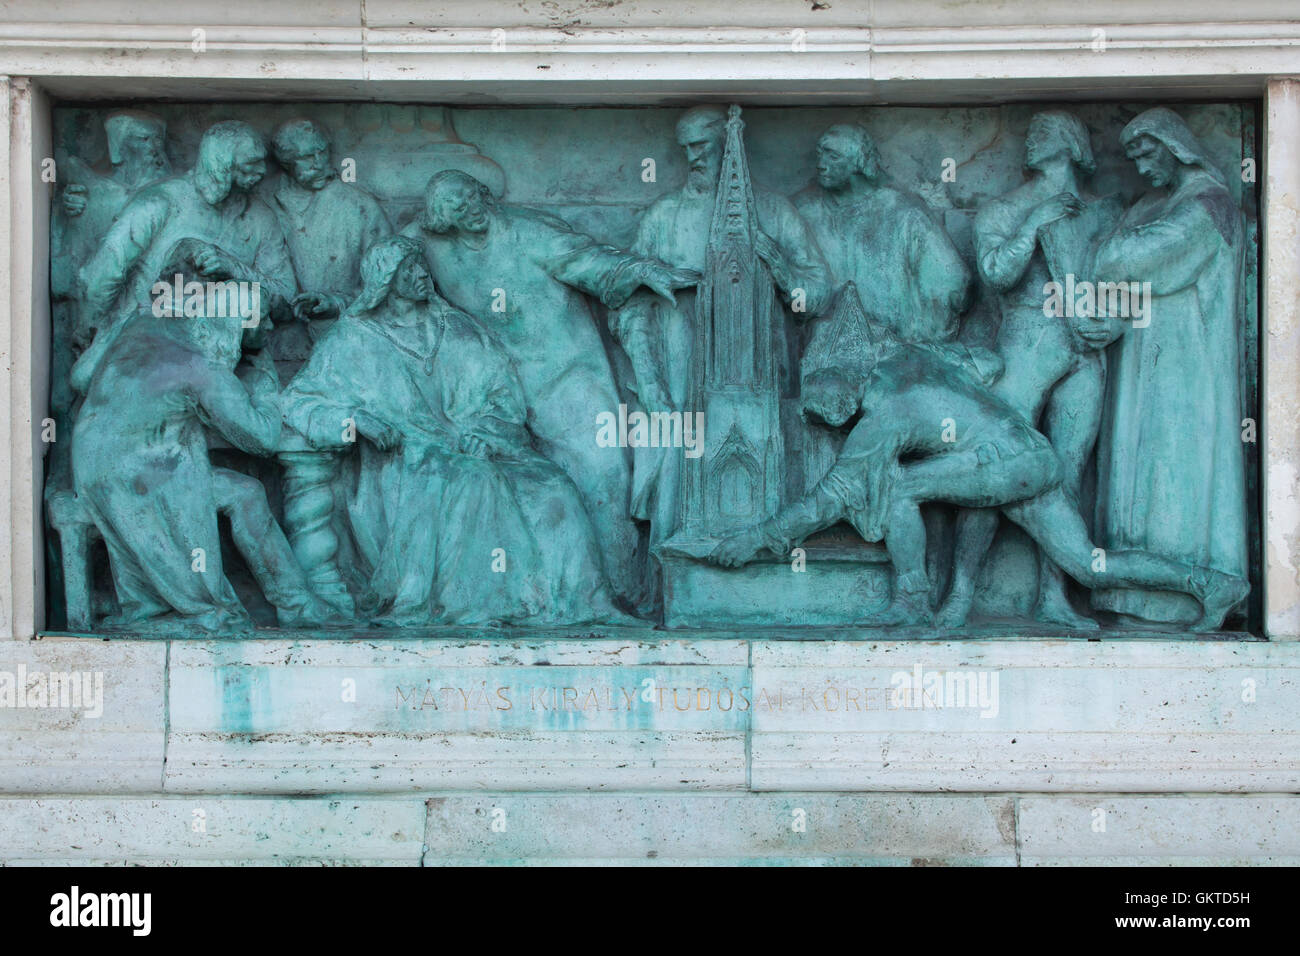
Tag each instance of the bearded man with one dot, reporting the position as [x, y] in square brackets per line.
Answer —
[659, 336]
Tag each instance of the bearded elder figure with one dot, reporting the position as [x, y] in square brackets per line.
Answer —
[659, 337]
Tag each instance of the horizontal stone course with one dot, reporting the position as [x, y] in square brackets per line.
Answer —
[669, 714]
[637, 828]
[64, 749]
[210, 829]
[1141, 830]
[880, 829]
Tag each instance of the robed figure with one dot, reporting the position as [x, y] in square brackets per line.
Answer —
[659, 337]
[1171, 473]
[884, 240]
[526, 275]
[459, 518]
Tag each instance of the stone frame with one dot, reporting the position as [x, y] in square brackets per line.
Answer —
[891, 59]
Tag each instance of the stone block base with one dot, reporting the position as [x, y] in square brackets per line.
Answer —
[659, 748]
[793, 828]
[847, 589]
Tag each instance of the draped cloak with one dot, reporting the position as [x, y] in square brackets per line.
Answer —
[429, 519]
[140, 466]
[675, 230]
[1171, 473]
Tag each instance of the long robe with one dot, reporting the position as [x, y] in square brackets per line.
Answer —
[524, 281]
[1171, 472]
[430, 519]
[675, 230]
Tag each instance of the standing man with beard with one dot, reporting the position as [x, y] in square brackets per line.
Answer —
[328, 224]
[212, 203]
[659, 337]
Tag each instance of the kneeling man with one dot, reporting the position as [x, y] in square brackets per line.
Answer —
[931, 430]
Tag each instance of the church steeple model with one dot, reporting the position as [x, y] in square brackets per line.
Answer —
[739, 478]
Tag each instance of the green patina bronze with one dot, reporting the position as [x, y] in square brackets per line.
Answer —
[330, 376]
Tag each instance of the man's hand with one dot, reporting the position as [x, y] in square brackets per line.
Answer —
[74, 199]
[212, 263]
[1061, 206]
[665, 280]
[737, 549]
[317, 305]
[384, 437]
[771, 254]
[1097, 332]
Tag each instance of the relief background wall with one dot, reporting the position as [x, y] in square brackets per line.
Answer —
[585, 165]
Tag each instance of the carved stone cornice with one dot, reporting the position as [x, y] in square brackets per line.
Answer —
[578, 52]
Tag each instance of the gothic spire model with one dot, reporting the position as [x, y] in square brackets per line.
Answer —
[735, 379]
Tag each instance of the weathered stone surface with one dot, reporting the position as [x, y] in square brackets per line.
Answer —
[794, 828]
[210, 830]
[259, 716]
[909, 50]
[802, 828]
[1065, 715]
[1202, 830]
[271, 717]
[65, 750]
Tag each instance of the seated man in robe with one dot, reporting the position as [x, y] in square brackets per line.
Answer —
[140, 464]
[461, 520]
[901, 455]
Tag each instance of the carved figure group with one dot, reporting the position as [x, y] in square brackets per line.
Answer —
[436, 435]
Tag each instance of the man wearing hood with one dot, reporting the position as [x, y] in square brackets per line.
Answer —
[1171, 471]
[458, 518]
